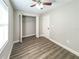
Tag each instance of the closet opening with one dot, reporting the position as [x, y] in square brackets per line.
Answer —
[28, 26]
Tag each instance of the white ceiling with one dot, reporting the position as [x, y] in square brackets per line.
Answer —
[24, 5]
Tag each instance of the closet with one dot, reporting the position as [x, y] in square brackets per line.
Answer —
[28, 26]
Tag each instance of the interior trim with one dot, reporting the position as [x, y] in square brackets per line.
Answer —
[28, 35]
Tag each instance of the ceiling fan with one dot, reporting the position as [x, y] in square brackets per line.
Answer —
[42, 3]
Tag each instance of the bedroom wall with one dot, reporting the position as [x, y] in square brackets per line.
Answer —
[64, 25]
[7, 50]
[29, 26]
[16, 26]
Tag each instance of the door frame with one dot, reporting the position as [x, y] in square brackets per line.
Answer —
[20, 26]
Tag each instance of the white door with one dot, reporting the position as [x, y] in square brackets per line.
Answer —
[45, 25]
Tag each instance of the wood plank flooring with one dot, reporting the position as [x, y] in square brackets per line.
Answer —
[39, 48]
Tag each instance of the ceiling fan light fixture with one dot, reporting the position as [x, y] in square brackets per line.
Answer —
[39, 6]
[41, 3]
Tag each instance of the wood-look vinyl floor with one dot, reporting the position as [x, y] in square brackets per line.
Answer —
[39, 48]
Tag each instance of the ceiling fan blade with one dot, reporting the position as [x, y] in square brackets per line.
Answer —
[47, 3]
[33, 5]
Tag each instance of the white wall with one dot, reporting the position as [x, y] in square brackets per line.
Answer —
[16, 26]
[29, 26]
[64, 25]
[7, 50]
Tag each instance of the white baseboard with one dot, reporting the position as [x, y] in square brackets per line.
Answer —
[23, 37]
[10, 52]
[63, 46]
[15, 41]
[28, 35]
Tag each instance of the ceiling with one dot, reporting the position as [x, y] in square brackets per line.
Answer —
[24, 5]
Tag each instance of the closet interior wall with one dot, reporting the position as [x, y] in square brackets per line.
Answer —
[28, 26]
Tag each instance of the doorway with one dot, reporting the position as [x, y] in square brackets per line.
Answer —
[29, 26]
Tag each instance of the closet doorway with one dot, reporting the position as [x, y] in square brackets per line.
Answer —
[29, 26]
